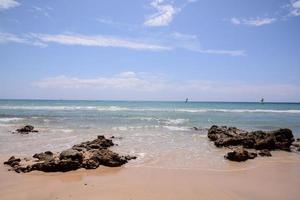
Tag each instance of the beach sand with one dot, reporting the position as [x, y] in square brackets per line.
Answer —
[262, 178]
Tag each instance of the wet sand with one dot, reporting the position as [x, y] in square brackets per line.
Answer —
[262, 178]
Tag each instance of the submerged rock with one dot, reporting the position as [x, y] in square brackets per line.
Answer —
[88, 155]
[26, 129]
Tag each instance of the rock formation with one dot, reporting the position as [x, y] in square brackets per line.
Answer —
[224, 136]
[88, 155]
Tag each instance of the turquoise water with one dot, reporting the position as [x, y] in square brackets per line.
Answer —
[148, 129]
[200, 114]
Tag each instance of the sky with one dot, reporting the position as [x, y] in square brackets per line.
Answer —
[206, 50]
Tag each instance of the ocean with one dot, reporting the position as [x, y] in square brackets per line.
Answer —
[160, 134]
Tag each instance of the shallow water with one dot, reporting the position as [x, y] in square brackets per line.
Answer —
[159, 133]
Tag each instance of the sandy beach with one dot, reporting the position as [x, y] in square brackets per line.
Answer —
[149, 100]
[264, 178]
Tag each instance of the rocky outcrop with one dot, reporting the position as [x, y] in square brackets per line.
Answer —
[26, 129]
[224, 136]
[230, 136]
[240, 154]
[88, 155]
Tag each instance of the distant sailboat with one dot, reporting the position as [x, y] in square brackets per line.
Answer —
[262, 100]
[186, 100]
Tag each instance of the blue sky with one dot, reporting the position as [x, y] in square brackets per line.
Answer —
[207, 50]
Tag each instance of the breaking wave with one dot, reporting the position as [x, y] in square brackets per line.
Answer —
[118, 108]
[10, 119]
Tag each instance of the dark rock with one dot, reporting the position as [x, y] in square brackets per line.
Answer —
[240, 154]
[108, 158]
[115, 137]
[71, 154]
[265, 152]
[26, 129]
[252, 155]
[230, 136]
[23, 169]
[265, 143]
[91, 164]
[56, 166]
[88, 155]
[47, 155]
[12, 161]
[130, 157]
[100, 143]
[196, 128]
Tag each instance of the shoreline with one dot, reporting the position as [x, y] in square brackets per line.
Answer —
[276, 180]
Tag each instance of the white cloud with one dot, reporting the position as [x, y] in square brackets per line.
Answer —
[119, 25]
[164, 42]
[42, 10]
[8, 37]
[164, 14]
[132, 85]
[295, 8]
[192, 43]
[25, 39]
[123, 81]
[223, 52]
[253, 21]
[83, 40]
[99, 40]
[7, 4]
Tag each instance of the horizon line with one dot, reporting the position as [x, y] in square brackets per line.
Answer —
[190, 101]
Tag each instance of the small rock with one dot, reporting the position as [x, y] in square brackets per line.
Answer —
[47, 155]
[240, 154]
[12, 161]
[26, 129]
[130, 157]
[265, 152]
[196, 128]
